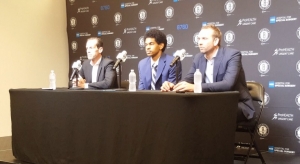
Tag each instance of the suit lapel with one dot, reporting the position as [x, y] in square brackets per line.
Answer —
[202, 66]
[99, 68]
[217, 62]
[161, 66]
[148, 72]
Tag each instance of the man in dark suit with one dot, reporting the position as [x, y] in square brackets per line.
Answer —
[97, 72]
[155, 69]
[221, 70]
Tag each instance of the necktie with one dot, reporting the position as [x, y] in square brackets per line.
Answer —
[154, 70]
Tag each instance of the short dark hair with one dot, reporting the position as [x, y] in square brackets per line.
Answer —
[159, 37]
[99, 41]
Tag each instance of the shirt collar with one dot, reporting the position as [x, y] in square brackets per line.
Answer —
[97, 63]
[213, 55]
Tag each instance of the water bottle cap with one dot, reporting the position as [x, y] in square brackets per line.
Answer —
[52, 71]
[132, 70]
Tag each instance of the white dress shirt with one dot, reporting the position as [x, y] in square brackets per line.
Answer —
[209, 73]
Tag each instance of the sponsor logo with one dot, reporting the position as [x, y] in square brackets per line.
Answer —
[94, 20]
[101, 33]
[297, 133]
[283, 51]
[263, 67]
[142, 15]
[298, 66]
[297, 99]
[170, 40]
[247, 22]
[72, 1]
[118, 43]
[263, 130]
[198, 10]
[81, 34]
[283, 150]
[118, 18]
[157, 27]
[176, 0]
[182, 26]
[249, 53]
[229, 37]
[155, 2]
[264, 5]
[74, 46]
[128, 4]
[195, 39]
[274, 19]
[131, 30]
[169, 13]
[83, 10]
[132, 57]
[298, 32]
[274, 84]
[229, 7]
[217, 24]
[73, 22]
[298, 1]
[141, 42]
[105, 7]
[283, 117]
[271, 84]
[264, 35]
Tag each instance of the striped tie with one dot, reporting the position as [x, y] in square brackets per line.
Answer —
[154, 69]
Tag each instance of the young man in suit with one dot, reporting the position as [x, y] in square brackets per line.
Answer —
[221, 69]
[155, 69]
[97, 72]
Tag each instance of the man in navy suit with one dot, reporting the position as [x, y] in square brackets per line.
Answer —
[155, 69]
[221, 70]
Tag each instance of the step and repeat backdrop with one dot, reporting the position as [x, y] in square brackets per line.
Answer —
[267, 32]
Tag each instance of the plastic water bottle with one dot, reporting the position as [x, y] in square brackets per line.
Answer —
[132, 81]
[197, 81]
[52, 80]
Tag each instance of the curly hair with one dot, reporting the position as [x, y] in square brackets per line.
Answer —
[159, 37]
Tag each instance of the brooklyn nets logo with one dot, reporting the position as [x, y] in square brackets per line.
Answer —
[264, 35]
[142, 15]
[74, 45]
[141, 42]
[298, 66]
[298, 31]
[198, 9]
[229, 6]
[263, 130]
[229, 37]
[72, 1]
[297, 99]
[195, 38]
[170, 40]
[266, 99]
[297, 132]
[264, 4]
[118, 43]
[94, 20]
[169, 12]
[263, 67]
[118, 17]
[299, 2]
[73, 22]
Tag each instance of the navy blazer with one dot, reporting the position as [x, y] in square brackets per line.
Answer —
[228, 75]
[164, 72]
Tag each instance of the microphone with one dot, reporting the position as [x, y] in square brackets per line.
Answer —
[76, 67]
[121, 58]
[179, 54]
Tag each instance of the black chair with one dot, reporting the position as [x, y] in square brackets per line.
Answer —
[257, 92]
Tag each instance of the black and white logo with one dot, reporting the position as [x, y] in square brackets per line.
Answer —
[229, 37]
[298, 32]
[141, 42]
[72, 1]
[74, 45]
[73, 22]
[297, 132]
[298, 66]
[264, 35]
[118, 43]
[142, 15]
[297, 99]
[198, 9]
[266, 99]
[169, 12]
[118, 17]
[170, 40]
[94, 20]
[263, 130]
[299, 2]
[229, 6]
[265, 4]
[195, 38]
[263, 67]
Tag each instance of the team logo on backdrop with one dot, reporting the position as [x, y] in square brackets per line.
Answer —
[299, 2]
[83, 10]
[73, 22]
[182, 27]
[283, 51]
[131, 30]
[141, 42]
[249, 53]
[298, 32]
[157, 27]
[72, 1]
[198, 10]
[195, 39]
[264, 35]
[264, 5]
[129, 4]
[266, 99]
[298, 66]
[118, 43]
[217, 24]
[273, 84]
[170, 40]
[94, 20]
[142, 15]
[118, 18]
[169, 12]
[229, 37]
[247, 22]
[105, 7]
[229, 7]
[101, 33]
[155, 2]
[263, 67]
[82, 34]
[297, 132]
[74, 46]
[274, 19]
[263, 130]
[297, 99]
[283, 117]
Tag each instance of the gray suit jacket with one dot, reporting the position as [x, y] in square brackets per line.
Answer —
[228, 75]
[106, 76]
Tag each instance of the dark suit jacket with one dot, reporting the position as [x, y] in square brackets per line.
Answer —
[106, 77]
[228, 75]
[164, 72]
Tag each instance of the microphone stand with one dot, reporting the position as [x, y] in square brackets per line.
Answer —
[76, 83]
[119, 77]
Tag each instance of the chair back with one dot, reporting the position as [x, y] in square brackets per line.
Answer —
[257, 92]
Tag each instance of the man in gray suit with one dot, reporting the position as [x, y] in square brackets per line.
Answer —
[97, 72]
[221, 69]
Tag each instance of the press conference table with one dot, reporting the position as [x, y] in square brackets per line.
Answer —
[120, 127]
